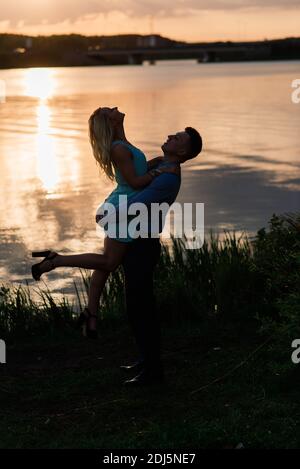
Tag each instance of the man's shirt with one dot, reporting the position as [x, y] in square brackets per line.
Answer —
[163, 189]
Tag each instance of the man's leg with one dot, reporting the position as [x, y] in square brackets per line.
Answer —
[139, 263]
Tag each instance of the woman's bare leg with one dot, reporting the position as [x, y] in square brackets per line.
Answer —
[97, 285]
[99, 277]
[108, 261]
[102, 263]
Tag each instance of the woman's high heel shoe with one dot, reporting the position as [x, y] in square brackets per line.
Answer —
[83, 322]
[48, 256]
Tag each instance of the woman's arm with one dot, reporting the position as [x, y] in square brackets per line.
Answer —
[154, 161]
[122, 159]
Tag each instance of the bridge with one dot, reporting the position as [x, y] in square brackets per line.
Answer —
[202, 54]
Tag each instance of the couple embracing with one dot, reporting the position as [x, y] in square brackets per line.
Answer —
[147, 182]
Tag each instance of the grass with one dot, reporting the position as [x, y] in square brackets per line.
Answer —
[65, 392]
[229, 313]
[190, 284]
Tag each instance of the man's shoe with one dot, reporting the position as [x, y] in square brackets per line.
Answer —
[145, 378]
[136, 367]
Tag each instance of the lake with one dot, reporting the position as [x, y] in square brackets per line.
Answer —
[50, 185]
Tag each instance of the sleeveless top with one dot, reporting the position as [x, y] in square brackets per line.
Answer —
[123, 188]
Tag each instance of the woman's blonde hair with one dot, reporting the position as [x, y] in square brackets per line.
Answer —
[101, 138]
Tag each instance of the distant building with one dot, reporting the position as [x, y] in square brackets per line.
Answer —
[19, 50]
[28, 43]
[98, 47]
[152, 41]
[148, 41]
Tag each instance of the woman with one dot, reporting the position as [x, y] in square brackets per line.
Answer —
[125, 164]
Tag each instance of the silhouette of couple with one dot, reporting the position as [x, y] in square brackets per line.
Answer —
[155, 181]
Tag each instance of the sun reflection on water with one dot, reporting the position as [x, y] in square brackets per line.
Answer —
[47, 162]
[40, 83]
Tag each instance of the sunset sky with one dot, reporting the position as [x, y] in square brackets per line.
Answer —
[190, 20]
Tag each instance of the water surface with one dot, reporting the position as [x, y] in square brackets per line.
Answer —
[50, 185]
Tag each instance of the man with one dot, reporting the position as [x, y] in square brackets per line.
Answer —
[143, 255]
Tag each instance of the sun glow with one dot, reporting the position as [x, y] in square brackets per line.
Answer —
[39, 83]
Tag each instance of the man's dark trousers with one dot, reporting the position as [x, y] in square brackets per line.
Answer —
[139, 263]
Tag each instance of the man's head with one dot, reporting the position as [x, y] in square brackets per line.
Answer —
[184, 145]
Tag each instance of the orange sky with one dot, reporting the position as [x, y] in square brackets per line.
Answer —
[190, 20]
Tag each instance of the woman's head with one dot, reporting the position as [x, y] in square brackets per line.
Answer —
[103, 124]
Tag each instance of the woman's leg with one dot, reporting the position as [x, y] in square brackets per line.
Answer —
[99, 278]
[108, 261]
[97, 285]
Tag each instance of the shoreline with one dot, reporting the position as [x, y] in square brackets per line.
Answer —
[17, 51]
[93, 65]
